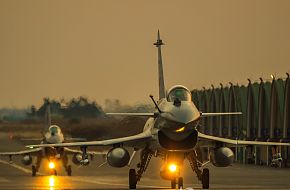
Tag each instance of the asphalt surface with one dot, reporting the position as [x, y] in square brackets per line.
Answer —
[16, 176]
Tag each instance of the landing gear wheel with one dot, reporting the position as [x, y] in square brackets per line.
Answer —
[180, 183]
[205, 178]
[33, 169]
[132, 179]
[69, 170]
[173, 184]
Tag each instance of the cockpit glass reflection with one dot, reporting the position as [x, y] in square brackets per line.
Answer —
[54, 130]
[180, 94]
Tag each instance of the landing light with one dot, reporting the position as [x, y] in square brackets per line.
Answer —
[51, 183]
[51, 165]
[180, 129]
[172, 167]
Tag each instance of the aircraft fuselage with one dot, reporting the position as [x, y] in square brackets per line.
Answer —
[174, 129]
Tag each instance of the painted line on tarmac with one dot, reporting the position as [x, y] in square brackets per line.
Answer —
[4, 180]
[25, 170]
[152, 186]
[112, 183]
[94, 181]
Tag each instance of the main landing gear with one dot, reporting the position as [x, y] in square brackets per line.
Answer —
[203, 175]
[132, 179]
[134, 176]
[205, 178]
[33, 169]
[68, 170]
[67, 167]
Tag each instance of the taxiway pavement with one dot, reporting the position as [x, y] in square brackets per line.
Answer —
[16, 176]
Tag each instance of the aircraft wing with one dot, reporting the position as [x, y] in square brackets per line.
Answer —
[73, 151]
[131, 114]
[220, 114]
[32, 139]
[73, 139]
[239, 142]
[132, 141]
[30, 151]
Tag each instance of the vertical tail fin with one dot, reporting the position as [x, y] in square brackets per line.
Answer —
[158, 44]
[47, 118]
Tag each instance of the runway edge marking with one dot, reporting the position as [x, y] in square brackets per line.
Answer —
[25, 170]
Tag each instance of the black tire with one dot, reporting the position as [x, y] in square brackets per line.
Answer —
[132, 179]
[69, 170]
[54, 172]
[173, 184]
[180, 183]
[205, 178]
[33, 169]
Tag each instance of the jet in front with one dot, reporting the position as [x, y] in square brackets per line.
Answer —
[171, 134]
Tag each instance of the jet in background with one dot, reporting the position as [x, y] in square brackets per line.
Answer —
[171, 134]
[51, 134]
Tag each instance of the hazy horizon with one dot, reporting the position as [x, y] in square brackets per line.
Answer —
[104, 49]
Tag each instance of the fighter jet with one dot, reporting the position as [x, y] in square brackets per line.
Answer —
[170, 133]
[51, 134]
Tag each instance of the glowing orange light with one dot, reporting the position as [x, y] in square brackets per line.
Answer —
[51, 181]
[172, 167]
[180, 129]
[51, 165]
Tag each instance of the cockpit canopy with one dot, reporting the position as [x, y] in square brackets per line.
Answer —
[54, 129]
[179, 92]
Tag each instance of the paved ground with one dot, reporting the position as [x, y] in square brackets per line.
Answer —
[16, 176]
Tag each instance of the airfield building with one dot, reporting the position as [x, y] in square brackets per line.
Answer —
[266, 117]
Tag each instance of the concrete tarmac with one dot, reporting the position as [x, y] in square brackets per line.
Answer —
[16, 176]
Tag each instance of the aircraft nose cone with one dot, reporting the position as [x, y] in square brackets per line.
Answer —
[184, 117]
[185, 113]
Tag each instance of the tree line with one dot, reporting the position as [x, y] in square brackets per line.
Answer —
[74, 108]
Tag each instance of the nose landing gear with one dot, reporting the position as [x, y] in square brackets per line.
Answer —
[132, 179]
[53, 172]
[173, 183]
[179, 183]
